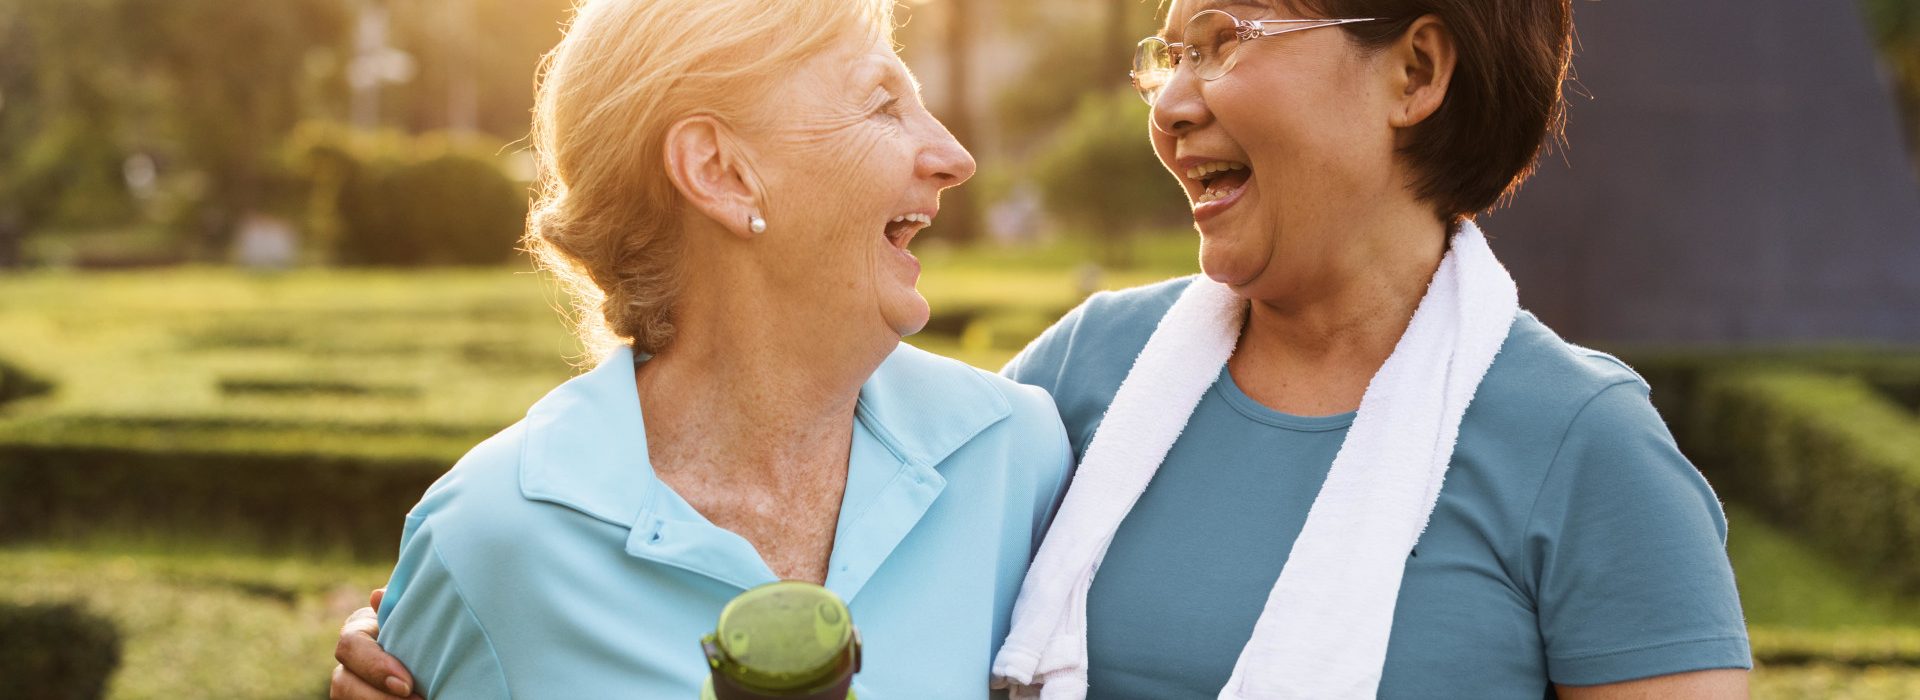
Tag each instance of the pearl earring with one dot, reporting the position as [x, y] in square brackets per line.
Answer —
[756, 224]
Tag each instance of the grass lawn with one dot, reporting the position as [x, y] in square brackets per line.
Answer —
[203, 626]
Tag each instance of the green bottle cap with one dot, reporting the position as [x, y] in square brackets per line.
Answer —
[787, 638]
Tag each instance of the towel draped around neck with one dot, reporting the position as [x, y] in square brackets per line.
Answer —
[1323, 632]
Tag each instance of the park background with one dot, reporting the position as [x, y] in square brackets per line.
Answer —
[258, 289]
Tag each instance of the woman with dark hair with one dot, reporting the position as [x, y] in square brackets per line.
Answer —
[1343, 462]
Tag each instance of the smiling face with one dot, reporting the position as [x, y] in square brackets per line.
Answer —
[1278, 152]
[852, 166]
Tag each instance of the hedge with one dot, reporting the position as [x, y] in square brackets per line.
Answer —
[55, 652]
[450, 209]
[16, 384]
[273, 487]
[1821, 454]
[1676, 375]
[385, 198]
[1893, 646]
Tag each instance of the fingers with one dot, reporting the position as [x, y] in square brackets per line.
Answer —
[373, 601]
[369, 668]
[347, 686]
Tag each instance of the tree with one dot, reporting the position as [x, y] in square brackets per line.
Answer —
[227, 110]
[961, 220]
[1101, 173]
[59, 120]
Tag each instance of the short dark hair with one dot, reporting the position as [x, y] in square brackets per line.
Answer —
[1502, 103]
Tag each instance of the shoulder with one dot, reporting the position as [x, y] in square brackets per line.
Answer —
[1580, 423]
[1129, 316]
[1541, 384]
[931, 408]
[485, 480]
[946, 403]
[1534, 354]
[1083, 358]
[1550, 414]
[483, 522]
[1117, 320]
[1150, 300]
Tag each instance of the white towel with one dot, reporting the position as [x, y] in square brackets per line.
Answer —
[1323, 633]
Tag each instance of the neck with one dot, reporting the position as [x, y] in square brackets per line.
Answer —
[750, 390]
[1360, 300]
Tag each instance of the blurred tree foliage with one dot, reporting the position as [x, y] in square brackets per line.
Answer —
[58, 119]
[1077, 47]
[1895, 25]
[1078, 125]
[128, 113]
[1101, 173]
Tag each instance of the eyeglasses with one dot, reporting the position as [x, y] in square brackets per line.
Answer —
[1209, 42]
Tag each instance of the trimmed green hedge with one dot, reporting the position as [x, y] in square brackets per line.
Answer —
[449, 209]
[16, 384]
[1893, 646]
[1676, 375]
[275, 488]
[55, 652]
[1821, 454]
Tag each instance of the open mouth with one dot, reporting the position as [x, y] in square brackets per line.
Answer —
[902, 228]
[1219, 179]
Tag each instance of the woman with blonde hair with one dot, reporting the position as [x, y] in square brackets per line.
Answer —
[729, 189]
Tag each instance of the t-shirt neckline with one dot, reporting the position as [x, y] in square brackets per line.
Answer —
[1259, 412]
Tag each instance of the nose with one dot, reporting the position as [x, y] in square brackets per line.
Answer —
[943, 159]
[1179, 108]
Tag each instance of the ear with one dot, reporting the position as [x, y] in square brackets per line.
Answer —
[707, 165]
[1422, 62]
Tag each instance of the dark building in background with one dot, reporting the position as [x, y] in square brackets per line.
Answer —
[1736, 176]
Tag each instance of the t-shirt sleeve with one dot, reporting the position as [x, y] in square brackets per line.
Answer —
[1627, 551]
[427, 624]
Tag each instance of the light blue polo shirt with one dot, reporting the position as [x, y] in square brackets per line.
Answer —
[552, 563]
[1572, 543]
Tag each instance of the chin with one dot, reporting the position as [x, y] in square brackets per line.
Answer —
[1225, 264]
[907, 316]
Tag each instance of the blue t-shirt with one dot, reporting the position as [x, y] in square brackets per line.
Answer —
[1571, 544]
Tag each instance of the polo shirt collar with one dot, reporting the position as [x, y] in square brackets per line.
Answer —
[586, 449]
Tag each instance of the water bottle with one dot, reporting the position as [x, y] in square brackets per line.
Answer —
[789, 640]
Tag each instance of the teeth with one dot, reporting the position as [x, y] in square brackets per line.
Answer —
[1217, 166]
[1214, 195]
[916, 218]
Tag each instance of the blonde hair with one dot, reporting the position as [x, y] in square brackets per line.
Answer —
[606, 219]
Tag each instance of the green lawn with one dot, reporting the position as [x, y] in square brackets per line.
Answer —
[203, 626]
